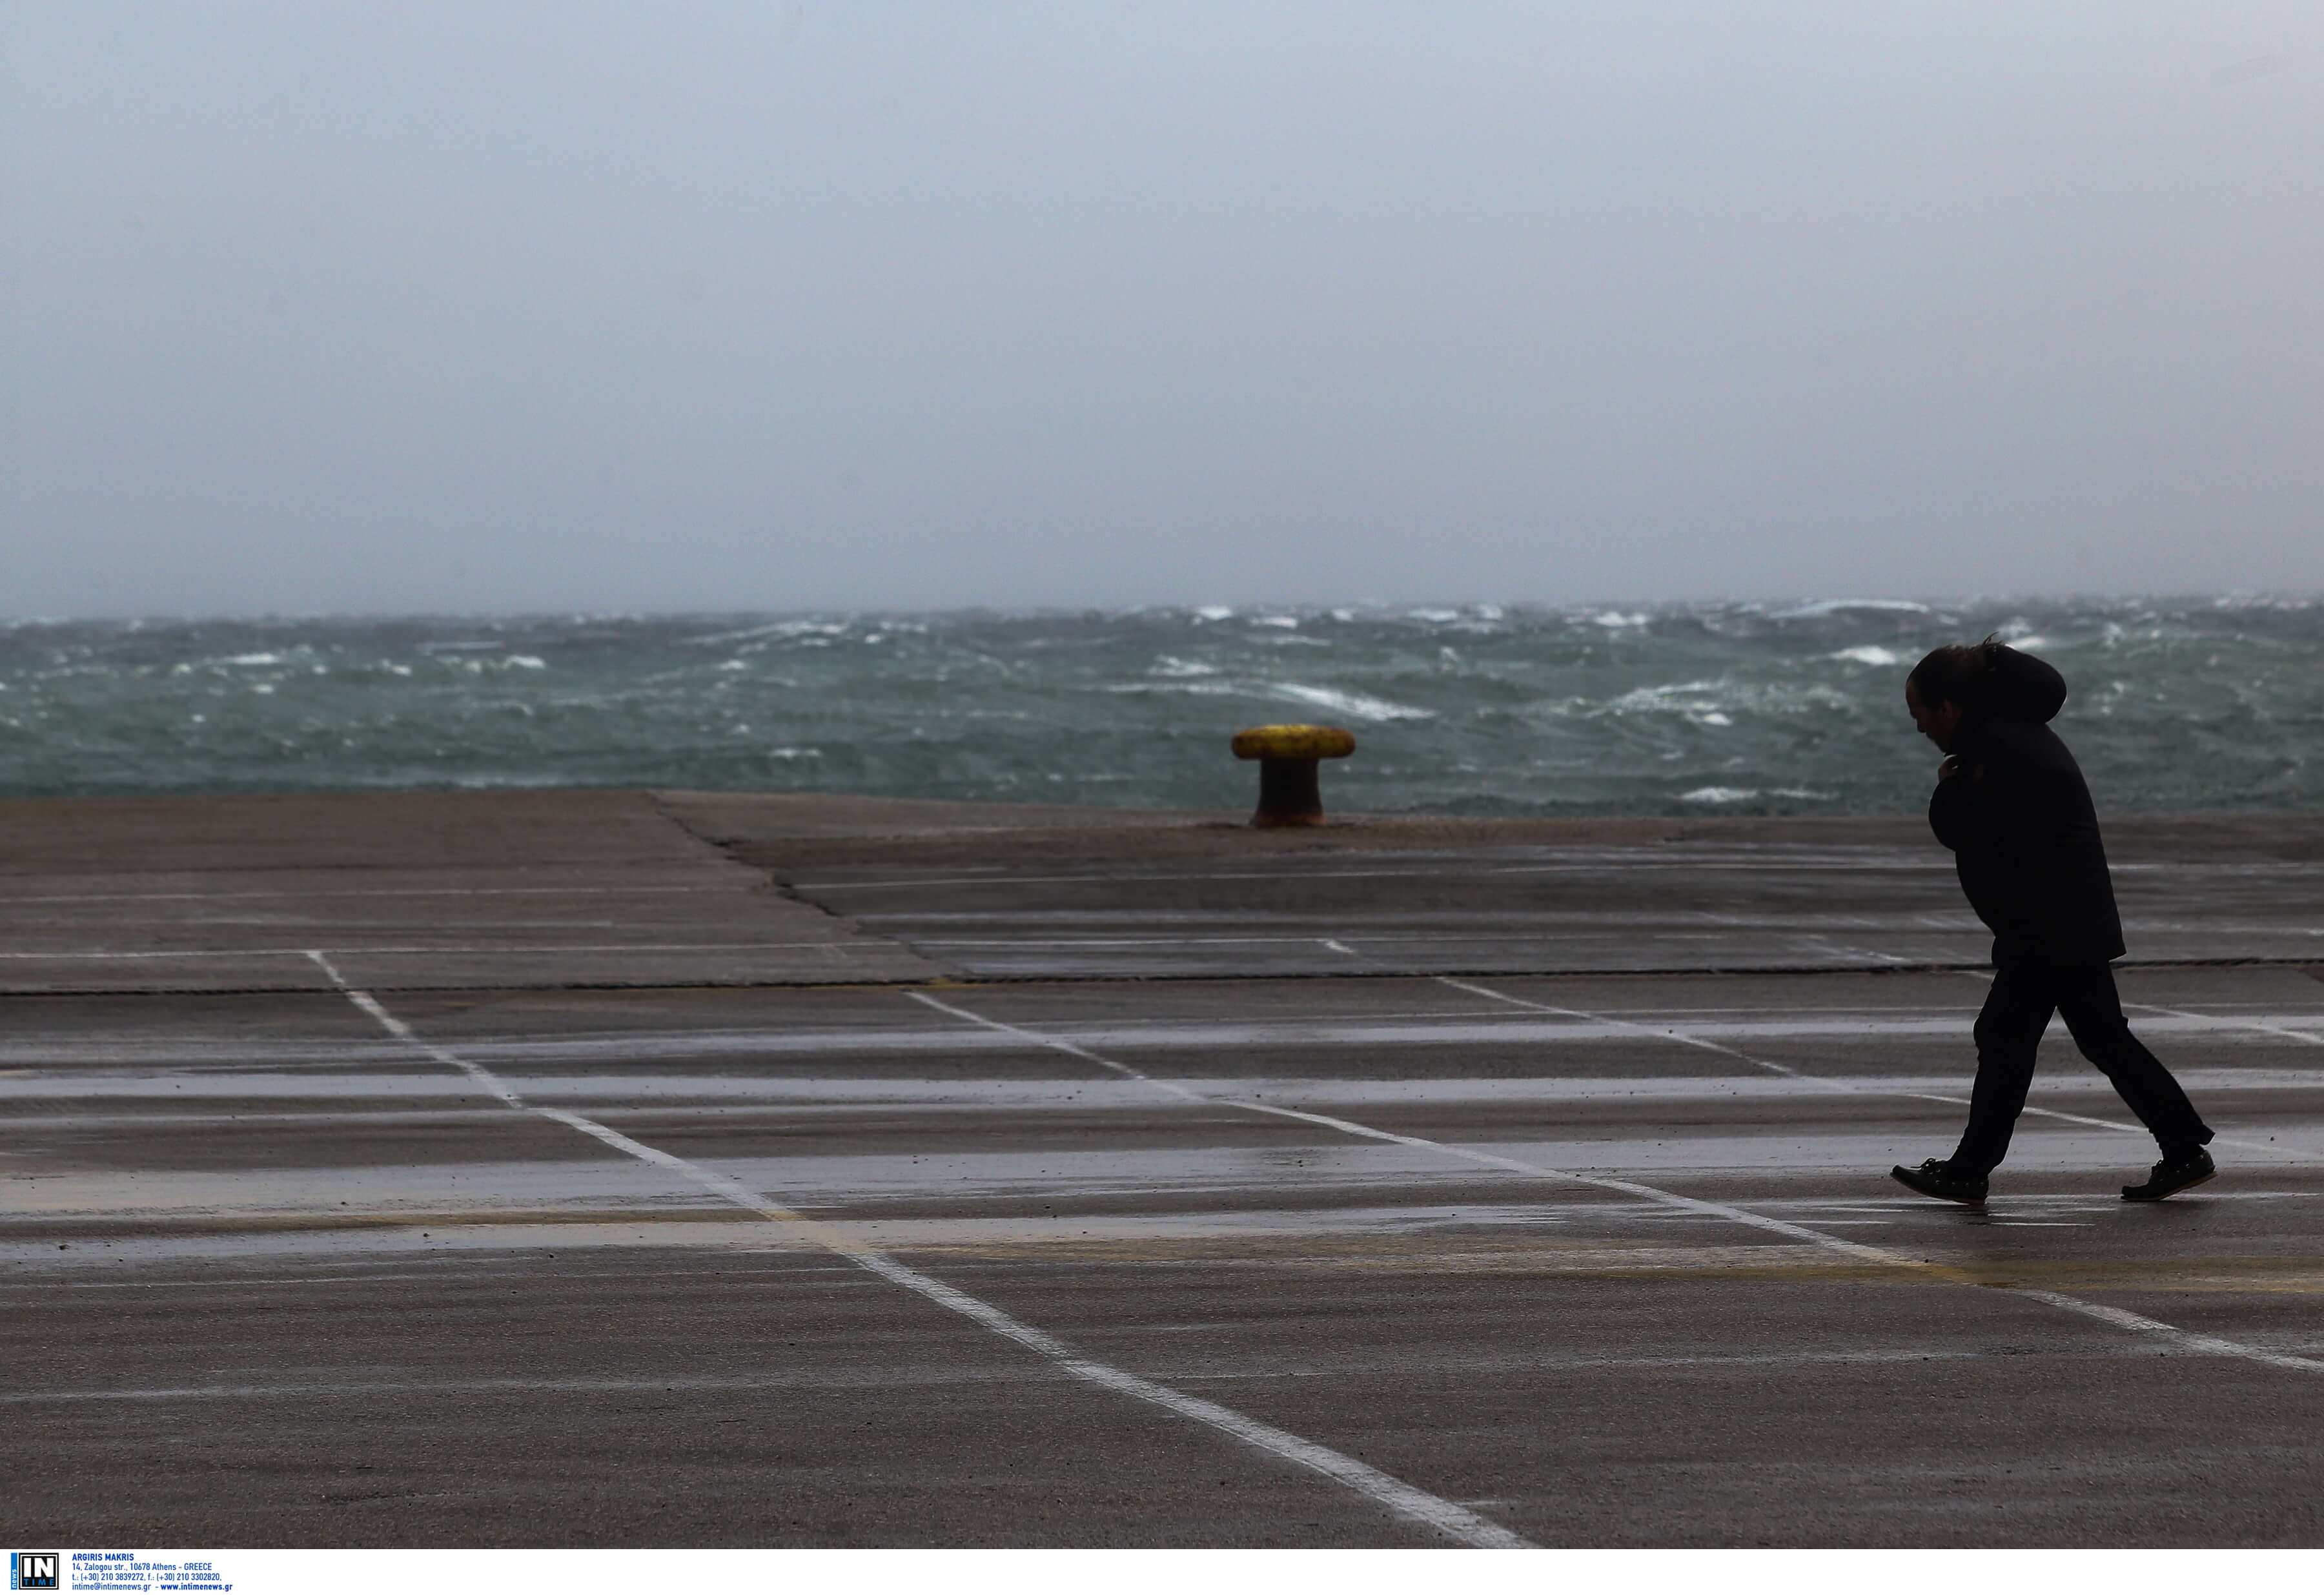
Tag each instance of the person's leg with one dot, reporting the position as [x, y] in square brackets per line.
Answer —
[2016, 1011]
[2093, 1012]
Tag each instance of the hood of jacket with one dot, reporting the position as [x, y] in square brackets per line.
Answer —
[2021, 688]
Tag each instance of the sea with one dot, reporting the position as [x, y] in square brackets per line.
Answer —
[2184, 705]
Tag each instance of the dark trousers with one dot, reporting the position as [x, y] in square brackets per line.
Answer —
[2016, 1011]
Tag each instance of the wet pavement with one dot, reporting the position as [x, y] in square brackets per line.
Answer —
[1556, 1254]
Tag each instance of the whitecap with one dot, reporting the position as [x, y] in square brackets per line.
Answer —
[525, 661]
[1614, 620]
[1435, 617]
[1170, 665]
[1868, 653]
[254, 659]
[1192, 688]
[1665, 697]
[1282, 622]
[1824, 606]
[1214, 611]
[1809, 792]
[734, 665]
[1719, 795]
[1709, 717]
[714, 638]
[1361, 705]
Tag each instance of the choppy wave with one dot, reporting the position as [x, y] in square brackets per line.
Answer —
[2190, 705]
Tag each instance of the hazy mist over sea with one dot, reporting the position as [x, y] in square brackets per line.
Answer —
[1699, 708]
[767, 340]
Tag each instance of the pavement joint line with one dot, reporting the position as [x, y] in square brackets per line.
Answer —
[322, 1391]
[698, 1384]
[1056, 977]
[1447, 1518]
[1824, 941]
[840, 942]
[1433, 937]
[1302, 1031]
[369, 1274]
[2138, 1324]
[356, 891]
[1626, 866]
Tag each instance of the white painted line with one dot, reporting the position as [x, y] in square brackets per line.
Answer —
[485, 1080]
[2270, 1024]
[1448, 1518]
[2262, 1026]
[1071, 1049]
[2154, 1328]
[1691, 1038]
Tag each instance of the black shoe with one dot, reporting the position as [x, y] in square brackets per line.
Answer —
[1936, 1178]
[2171, 1175]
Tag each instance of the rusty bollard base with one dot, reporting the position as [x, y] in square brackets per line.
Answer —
[1288, 794]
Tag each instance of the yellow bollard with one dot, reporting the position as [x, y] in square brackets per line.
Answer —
[1287, 754]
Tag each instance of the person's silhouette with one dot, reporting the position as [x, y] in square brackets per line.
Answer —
[2012, 806]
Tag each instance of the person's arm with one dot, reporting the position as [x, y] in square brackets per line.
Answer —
[1949, 805]
[1982, 796]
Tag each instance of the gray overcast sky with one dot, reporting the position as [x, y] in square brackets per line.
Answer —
[547, 305]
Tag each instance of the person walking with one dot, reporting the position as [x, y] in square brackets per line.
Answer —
[2012, 806]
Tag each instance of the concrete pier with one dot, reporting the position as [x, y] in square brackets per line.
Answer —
[663, 1168]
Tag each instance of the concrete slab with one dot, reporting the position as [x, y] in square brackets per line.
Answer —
[354, 1290]
[1594, 1258]
[401, 890]
[1004, 894]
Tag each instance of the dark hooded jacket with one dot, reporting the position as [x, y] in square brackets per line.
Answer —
[2019, 820]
